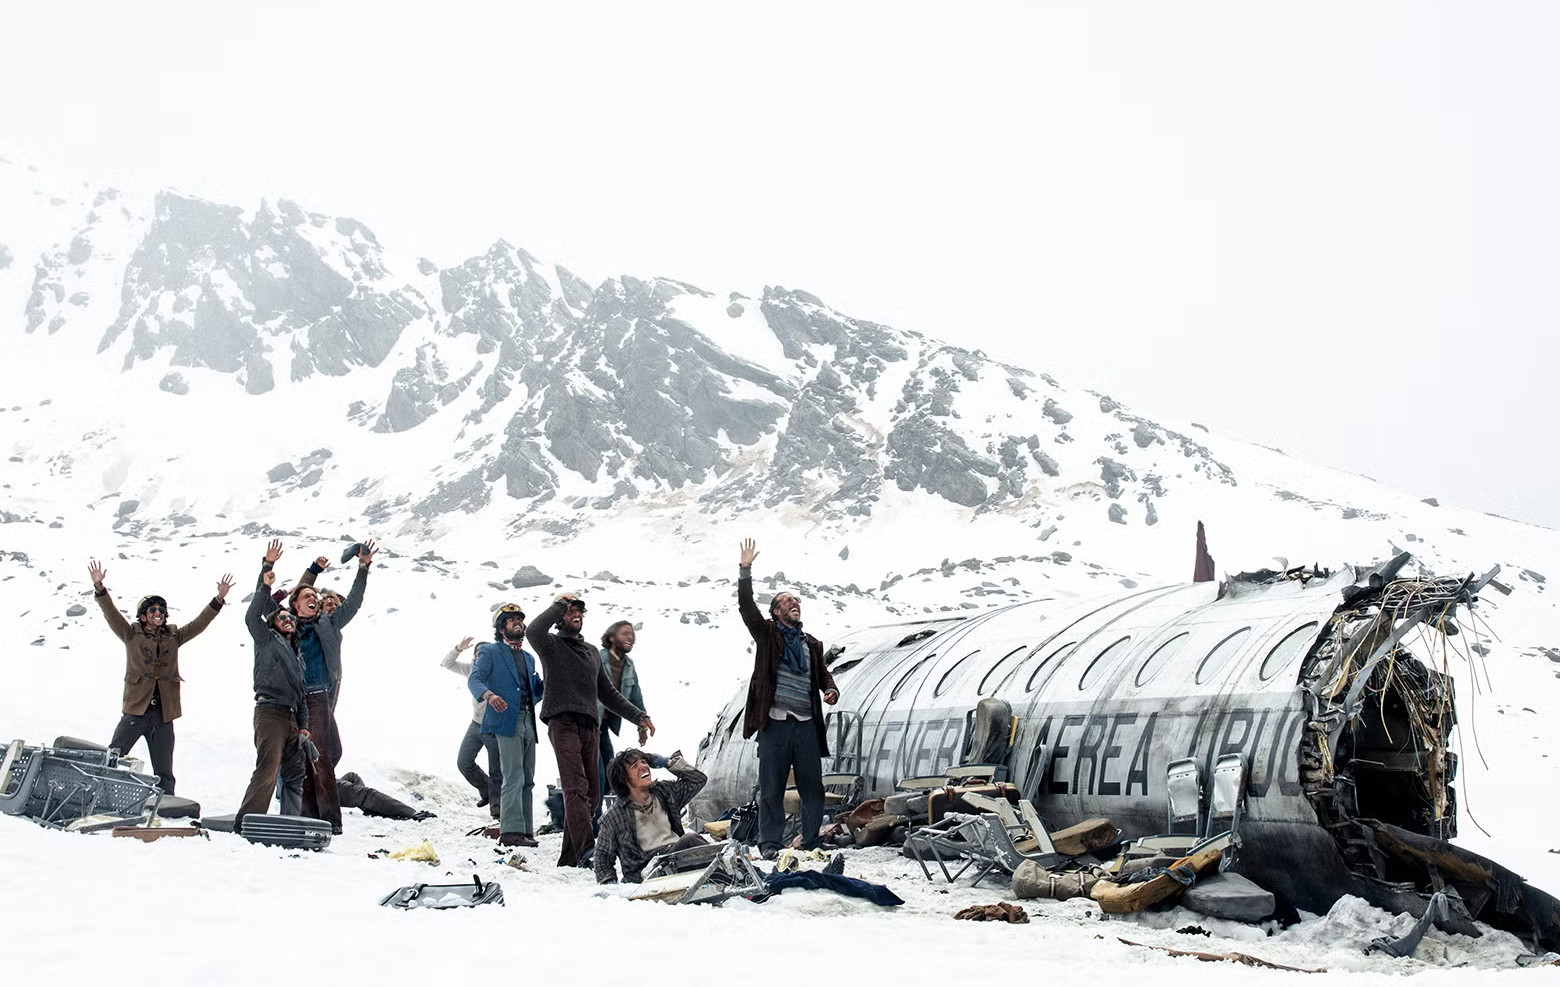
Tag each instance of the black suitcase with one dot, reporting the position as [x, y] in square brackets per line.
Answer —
[292, 832]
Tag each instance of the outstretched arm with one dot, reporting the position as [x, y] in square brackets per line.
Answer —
[452, 661]
[260, 603]
[116, 620]
[690, 780]
[613, 700]
[316, 567]
[756, 624]
[349, 606]
[208, 613]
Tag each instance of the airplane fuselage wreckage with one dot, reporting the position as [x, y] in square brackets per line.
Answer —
[1331, 689]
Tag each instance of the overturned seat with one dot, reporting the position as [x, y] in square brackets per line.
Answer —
[728, 874]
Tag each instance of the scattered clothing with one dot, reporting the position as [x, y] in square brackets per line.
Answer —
[1002, 911]
[850, 887]
[372, 802]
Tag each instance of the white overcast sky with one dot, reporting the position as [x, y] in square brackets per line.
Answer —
[1326, 227]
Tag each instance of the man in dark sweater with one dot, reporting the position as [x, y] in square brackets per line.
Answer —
[576, 682]
[783, 709]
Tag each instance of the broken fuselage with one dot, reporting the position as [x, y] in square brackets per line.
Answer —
[1334, 686]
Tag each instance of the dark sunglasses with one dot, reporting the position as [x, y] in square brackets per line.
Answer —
[154, 608]
[576, 606]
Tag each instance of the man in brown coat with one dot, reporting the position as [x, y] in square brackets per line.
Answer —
[783, 709]
[151, 696]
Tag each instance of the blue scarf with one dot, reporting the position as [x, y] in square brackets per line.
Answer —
[795, 655]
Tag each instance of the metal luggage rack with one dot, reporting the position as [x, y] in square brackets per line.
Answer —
[58, 786]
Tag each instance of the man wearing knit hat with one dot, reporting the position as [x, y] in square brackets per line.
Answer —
[150, 702]
[783, 710]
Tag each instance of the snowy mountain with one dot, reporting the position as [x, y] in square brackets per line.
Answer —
[190, 378]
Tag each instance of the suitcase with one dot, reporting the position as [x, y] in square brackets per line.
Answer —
[218, 824]
[291, 832]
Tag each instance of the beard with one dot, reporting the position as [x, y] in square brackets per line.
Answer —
[514, 635]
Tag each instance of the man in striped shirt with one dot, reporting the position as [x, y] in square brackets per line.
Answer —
[784, 709]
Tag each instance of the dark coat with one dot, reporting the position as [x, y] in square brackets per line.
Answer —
[576, 680]
[278, 668]
[152, 657]
[768, 650]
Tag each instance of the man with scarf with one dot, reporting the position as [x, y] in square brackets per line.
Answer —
[783, 709]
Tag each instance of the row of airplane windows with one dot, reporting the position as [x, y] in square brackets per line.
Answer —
[1005, 669]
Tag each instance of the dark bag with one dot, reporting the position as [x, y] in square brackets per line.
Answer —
[744, 824]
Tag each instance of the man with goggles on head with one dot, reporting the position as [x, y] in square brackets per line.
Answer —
[504, 678]
[150, 702]
[281, 699]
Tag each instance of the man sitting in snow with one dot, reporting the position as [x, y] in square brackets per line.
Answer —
[648, 817]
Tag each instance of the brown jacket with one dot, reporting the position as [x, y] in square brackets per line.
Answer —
[152, 660]
[769, 648]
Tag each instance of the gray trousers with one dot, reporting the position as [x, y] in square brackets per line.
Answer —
[517, 755]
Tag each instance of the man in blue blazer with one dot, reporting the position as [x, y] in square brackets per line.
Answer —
[504, 676]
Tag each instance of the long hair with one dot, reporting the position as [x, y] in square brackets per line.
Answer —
[611, 631]
[617, 770]
[291, 637]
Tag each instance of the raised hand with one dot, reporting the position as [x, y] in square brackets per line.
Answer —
[749, 552]
[322, 563]
[273, 551]
[366, 553]
[97, 572]
[646, 726]
[269, 577]
[224, 585]
[464, 644]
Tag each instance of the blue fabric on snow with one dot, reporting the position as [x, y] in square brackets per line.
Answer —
[850, 887]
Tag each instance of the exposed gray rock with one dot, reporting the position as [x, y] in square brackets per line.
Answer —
[1056, 412]
[75, 610]
[280, 472]
[80, 251]
[1118, 514]
[1431, 501]
[845, 552]
[527, 576]
[735, 310]
[80, 298]
[174, 383]
[128, 507]
[5, 257]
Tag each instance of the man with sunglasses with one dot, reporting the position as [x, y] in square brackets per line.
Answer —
[504, 677]
[150, 702]
[281, 699]
[576, 682]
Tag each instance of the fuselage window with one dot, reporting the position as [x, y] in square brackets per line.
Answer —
[947, 677]
[1294, 644]
[1102, 663]
[1001, 665]
[1043, 672]
[1221, 655]
[1160, 658]
[906, 677]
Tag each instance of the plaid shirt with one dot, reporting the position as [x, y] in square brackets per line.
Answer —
[617, 841]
